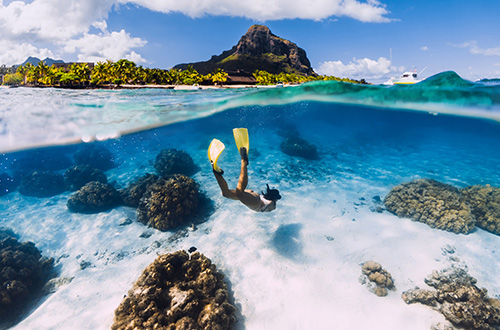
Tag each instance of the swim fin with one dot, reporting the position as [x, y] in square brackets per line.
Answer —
[214, 150]
[241, 139]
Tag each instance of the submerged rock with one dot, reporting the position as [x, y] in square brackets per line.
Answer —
[377, 279]
[177, 292]
[42, 184]
[94, 197]
[458, 298]
[134, 192]
[434, 203]
[169, 202]
[485, 204]
[96, 156]
[79, 175]
[23, 273]
[173, 161]
[298, 147]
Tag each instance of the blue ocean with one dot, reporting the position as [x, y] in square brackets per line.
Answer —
[334, 150]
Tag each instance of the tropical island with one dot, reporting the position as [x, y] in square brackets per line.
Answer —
[259, 58]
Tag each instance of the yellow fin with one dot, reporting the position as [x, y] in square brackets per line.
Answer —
[214, 150]
[241, 138]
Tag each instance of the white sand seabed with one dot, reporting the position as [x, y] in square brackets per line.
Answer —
[295, 268]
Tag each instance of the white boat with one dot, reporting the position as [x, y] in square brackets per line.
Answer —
[407, 78]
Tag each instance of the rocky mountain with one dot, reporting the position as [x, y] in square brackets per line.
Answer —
[258, 49]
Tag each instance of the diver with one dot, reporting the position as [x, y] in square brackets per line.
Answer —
[264, 202]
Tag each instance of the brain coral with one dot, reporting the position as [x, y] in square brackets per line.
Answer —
[172, 161]
[79, 175]
[485, 204]
[169, 202]
[377, 279]
[177, 292]
[23, 272]
[42, 184]
[96, 156]
[437, 204]
[134, 192]
[94, 197]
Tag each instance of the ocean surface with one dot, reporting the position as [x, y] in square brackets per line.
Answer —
[297, 267]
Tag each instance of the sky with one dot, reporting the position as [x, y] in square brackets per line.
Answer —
[359, 39]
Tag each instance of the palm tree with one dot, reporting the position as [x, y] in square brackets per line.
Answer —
[219, 76]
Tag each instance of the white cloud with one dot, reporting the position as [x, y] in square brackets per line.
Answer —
[94, 48]
[424, 48]
[264, 10]
[365, 68]
[474, 49]
[59, 28]
[15, 53]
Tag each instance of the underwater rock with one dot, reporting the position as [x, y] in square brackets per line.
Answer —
[177, 291]
[485, 205]
[95, 156]
[134, 192]
[7, 184]
[23, 273]
[173, 161]
[169, 202]
[79, 175]
[436, 204]
[458, 299]
[298, 147]
[94, 197]
[377, 279]
[42, 184]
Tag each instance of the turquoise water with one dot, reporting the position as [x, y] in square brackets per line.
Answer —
[287, 268]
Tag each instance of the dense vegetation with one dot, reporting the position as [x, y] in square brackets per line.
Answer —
[111, 73]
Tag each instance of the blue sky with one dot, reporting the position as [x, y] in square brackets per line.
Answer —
[348, 38]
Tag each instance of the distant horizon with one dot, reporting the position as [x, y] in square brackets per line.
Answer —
[374, 40]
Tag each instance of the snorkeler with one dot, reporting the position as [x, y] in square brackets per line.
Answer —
[264, 202]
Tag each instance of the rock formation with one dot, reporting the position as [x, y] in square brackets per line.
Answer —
[94, 197]
[173, 161]
[177, 292]
[169, 202]
[485, 205]
[458, 299]
[434, 203]
[258, 49]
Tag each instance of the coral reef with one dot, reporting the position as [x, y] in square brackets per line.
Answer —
[485, 204]
[79, 175]
[298, 147]
[169, 202]
[134, 192]
[458, 299]
[173, 161]
[177, 292]
[437, 204]
[376, 278]
[23, 273]
[42, 184]
[96, 156]
[7, 184]
[94, 197]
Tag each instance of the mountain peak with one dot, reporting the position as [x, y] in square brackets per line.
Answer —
[258, 49]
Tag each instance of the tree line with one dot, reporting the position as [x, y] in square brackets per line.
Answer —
[127, 72]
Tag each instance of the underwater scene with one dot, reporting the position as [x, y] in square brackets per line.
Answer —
[111, 215]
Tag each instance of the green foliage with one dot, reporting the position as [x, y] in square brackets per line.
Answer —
[13, 79]
[127, 72]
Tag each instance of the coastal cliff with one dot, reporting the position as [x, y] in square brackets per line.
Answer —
[258, 49]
